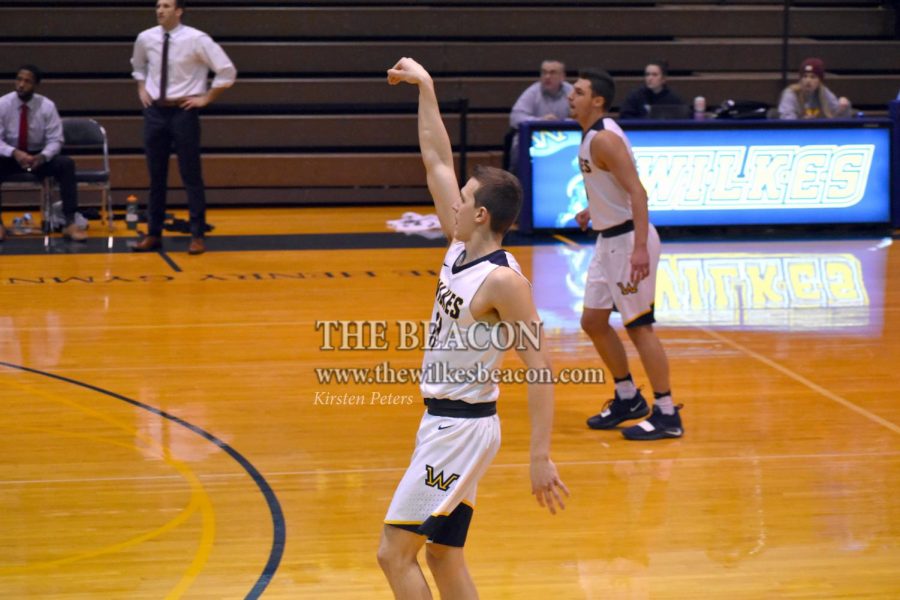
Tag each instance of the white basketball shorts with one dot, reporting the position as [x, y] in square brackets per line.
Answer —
[436, 495]
[609, 282]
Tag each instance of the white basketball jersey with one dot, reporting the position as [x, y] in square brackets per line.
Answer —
[608, 201]
[459, 349]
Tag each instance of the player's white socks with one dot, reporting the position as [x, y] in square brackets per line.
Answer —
[664, 402]
[625, 388]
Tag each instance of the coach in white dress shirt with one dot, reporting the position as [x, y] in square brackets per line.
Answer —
[171, 63]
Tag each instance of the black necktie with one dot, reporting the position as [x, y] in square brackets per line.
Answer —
[164, 73]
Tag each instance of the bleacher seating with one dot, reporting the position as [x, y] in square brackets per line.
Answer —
[312, 120]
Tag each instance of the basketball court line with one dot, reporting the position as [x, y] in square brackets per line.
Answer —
[199, 498]
[802, 380]
[182, 517]
[376, 240]
[169, 261]
[230, 243]
[216, 325]
[779, 367]
[374, 470]
[272, 502]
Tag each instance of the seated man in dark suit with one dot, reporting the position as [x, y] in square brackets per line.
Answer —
[654, 92]
[31, 136]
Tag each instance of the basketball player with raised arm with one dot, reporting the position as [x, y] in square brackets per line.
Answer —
[480, 286]
[622, 273]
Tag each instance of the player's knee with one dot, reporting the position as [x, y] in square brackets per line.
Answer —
[434, 554]
[393, 556]
[594, 324]
[387, 557]
[441, 558]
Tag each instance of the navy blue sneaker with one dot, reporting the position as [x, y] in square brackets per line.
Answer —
[657, 427]
[617, 410]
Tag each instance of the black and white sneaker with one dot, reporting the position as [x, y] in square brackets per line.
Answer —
[657, 427]
[617, 410]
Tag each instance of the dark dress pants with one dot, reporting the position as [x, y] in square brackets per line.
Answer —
[165, 128]
[60, 167]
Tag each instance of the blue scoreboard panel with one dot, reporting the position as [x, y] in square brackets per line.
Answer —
[716, 173]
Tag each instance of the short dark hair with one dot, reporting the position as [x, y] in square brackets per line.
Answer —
[38, 74]
[554, 60]
[500, 193]
[663, 66]
[602, 84]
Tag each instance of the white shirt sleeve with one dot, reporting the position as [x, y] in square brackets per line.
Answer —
[217, 61]
[139, 62]
[53, 136]
[523, 109]
[5, 149]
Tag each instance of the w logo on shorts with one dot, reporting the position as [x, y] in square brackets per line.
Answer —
[627, 288]
[439, 482]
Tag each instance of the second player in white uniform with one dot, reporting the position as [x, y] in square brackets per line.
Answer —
[609, 283]
[622, 273]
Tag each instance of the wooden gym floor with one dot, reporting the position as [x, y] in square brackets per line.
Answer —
[164, 435]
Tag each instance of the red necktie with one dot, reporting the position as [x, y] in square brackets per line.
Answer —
[23, 128]
[164, 70]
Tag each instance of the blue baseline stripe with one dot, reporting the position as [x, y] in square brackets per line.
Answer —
[21, 246]
[278, 524]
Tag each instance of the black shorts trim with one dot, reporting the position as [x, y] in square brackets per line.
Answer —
[459, 409]
[617, 229]
[647, 318]
[449, 530]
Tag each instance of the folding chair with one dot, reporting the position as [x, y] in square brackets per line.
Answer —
[84, 135]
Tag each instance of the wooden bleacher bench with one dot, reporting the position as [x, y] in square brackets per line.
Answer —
[282, 134]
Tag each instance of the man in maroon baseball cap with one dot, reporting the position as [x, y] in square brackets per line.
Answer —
[809, 98]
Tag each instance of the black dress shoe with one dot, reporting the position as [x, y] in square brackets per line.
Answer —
[148, 244]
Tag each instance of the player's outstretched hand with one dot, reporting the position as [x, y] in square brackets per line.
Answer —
[546, 485]
[409, 71]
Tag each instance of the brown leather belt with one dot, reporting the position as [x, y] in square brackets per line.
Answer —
[168, 103]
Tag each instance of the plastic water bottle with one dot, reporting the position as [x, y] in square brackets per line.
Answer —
[699, 108]
[131, 211]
